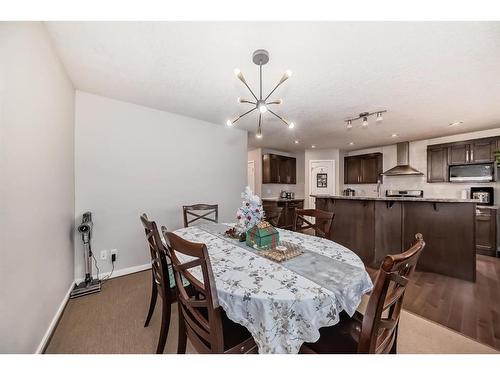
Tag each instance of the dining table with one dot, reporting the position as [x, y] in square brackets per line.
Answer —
[282, 304]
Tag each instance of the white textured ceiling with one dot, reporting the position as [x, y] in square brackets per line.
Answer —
[426, 75]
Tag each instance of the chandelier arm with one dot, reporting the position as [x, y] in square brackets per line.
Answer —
[273, 90]
[249, 89]
[278, 116]
[244, 114]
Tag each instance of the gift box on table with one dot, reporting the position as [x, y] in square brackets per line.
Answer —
[262, 235]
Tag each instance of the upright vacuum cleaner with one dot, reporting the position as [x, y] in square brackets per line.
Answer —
[90, 285]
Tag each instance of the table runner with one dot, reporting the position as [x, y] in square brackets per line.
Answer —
[335, 275]
[280, 308]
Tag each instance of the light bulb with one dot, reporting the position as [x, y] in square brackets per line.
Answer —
[365, 121]
[262, 108]
[291, 125]
[259, 134]
[237, 72]
[288, 73]
[229, 123]
[239, 99]
[296, 141]
[351, 143]
[313, 146]
[349, 124]
[379, 117]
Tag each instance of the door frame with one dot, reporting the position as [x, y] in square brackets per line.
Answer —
[311, 199]
[248, 164]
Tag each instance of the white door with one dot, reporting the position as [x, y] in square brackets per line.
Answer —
[321, 179]
[251, 175]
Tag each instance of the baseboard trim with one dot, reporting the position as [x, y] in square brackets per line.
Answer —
[55, 320]
[62, 306]
[120, 272]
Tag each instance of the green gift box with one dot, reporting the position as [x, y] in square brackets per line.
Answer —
[262, 235]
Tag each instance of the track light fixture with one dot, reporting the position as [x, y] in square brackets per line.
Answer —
[364, 116]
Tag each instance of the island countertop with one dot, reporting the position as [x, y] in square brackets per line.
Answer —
[405, 199]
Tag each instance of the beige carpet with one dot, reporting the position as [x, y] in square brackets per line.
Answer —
[112, 322]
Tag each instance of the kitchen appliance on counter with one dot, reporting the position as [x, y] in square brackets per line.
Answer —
[485, 195]
[405, 193]
[287, 194]
[349, 192]
[472, 173]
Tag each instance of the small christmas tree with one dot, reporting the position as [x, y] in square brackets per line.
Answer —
[250, 212]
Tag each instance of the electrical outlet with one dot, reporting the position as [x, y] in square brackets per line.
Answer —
[114, 255]
[104, 255]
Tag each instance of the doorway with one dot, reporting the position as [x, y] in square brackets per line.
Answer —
[321, 179]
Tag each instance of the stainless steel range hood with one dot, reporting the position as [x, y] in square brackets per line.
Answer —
[403, 168]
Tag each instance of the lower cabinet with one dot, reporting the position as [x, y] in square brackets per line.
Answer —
[486, 231]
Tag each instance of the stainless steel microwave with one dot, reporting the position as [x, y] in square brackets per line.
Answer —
[472, 173]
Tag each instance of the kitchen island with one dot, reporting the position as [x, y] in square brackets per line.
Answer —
[373, 227]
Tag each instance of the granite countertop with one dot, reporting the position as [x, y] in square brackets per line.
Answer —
[487, 207]
[405, 199]
[282, 199]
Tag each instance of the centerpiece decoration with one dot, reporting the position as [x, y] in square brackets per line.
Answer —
[250, 212]
[263, 236]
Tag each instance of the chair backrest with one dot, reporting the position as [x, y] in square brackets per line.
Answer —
[273, 214]
[381, 318]
[200, 312]
[323, 223]
[159, 256]
[212, 209]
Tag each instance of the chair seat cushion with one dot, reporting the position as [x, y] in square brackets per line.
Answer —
[342, 338]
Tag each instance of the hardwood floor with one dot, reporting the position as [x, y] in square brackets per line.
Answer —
[472, 309]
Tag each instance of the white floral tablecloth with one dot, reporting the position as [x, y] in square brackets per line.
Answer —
[281, 308]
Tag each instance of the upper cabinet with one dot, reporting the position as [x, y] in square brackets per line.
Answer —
[473, 151]
[437, 164]
[363, 169]
[278, 169]
[440, 157]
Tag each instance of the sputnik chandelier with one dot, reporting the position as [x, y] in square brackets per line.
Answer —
[260, 58]
[364, 116]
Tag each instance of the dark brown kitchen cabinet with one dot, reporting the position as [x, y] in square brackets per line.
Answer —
[278, 169]
[363, 169]
[437, 164]
[486, 231]
[473, 151]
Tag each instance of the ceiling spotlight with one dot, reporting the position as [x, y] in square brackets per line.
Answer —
[394, 135]
[365, 121]
[291, 125]
[456, 123]
[349, 124]
[351, 143]
[313, 146]
[379, 117]
[296, 141]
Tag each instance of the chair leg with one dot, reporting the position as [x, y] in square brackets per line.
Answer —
[394, 349]
[165, 324]
[152, 303]
[182, 340]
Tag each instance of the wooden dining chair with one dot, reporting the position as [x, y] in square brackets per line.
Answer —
[273, 214]
[323, 222]
[161, 282]
[194, 210]
[201, 319]
[376, 331]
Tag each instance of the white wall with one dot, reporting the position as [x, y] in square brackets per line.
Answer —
[131, 159]
[36, 185]
[418, 160]
[255, 155]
